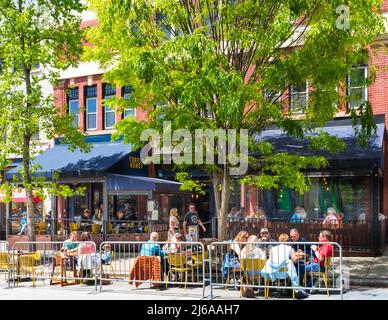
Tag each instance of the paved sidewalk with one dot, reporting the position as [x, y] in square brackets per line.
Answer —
[367, 271]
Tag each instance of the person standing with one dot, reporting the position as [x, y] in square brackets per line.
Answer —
[173, 223]
[190, 224]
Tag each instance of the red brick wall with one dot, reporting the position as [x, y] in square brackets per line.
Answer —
[60, 101]
[378, 97]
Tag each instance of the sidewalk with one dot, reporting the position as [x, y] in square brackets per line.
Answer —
[367, 271]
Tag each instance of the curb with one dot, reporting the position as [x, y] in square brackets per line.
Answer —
[372, 282]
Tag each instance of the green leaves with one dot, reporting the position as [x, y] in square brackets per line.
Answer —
[230, 64]
[37, 40]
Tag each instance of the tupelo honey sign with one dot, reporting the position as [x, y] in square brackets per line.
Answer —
[135, 163]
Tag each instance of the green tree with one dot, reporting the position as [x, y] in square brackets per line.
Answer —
[37, 39]
[191, 62]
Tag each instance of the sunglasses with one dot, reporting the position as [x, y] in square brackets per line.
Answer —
[264, 233]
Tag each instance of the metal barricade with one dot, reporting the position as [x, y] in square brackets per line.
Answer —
[4, 262]
[64, 263]
[157, 264]
[287, 267]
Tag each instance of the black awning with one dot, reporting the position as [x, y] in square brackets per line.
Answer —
[76, 163]
[353, 156]
[122, 183]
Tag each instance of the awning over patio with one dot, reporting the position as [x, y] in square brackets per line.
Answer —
[76, 163]
[18, 195]
[120, 183]
[353, 156]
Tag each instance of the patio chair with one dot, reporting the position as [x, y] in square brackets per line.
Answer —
[96, 228]
[28, 263]
[249, 266]
[322, 274]
[177, 263]
[73, 226]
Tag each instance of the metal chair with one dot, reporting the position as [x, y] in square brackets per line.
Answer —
[177, 263]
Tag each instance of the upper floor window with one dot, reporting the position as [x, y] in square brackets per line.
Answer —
[299, 96]
[356, 86]
[91, 107]
[109, 111]
[128, 112]
[73, 102]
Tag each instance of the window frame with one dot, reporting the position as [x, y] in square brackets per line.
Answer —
[71, 98]
[349, 88]
[126, 96]
[292, 93]
[90, 113]
[111, 110]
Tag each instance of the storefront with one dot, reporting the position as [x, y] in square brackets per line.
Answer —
[352, 184]
[114, 179]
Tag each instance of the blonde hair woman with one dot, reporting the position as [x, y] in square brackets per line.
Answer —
[242, 236]
[252, 250]
[173, 223]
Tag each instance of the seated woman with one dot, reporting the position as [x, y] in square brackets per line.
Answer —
[253, 251]
[88, 259]
[120, 225]
[231, 259]
[281, 264]
[173, 245]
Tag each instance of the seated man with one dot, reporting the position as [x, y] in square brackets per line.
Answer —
[300, 248]
[266, 237]
[151, 248]
[70, 251]
[320, 254]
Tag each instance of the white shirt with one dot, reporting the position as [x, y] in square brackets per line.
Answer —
[280, 254]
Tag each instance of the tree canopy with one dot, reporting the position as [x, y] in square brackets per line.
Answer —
[38, 38]
[229, 64]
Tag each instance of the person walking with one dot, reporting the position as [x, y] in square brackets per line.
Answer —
[190, 224]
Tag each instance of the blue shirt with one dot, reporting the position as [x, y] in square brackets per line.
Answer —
[296, 218]
[151, 249]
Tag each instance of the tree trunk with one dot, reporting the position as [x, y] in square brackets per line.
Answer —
[222, 201]
[26, 160]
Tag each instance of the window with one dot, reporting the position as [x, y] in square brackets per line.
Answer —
[91, 107]
[356, 86]
[128, 112]
[348, 195]
[1, 65]
[73, 104]
[109, 112]
[298, 97]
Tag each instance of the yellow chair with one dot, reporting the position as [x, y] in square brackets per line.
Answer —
[177, 263]
[110, 228]
[96, 228]
[73, 226]
[198, 262]
[41, 228]
[249, 266]
[28, 263]
[5, 262]
[266, 289]
[323, 275]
